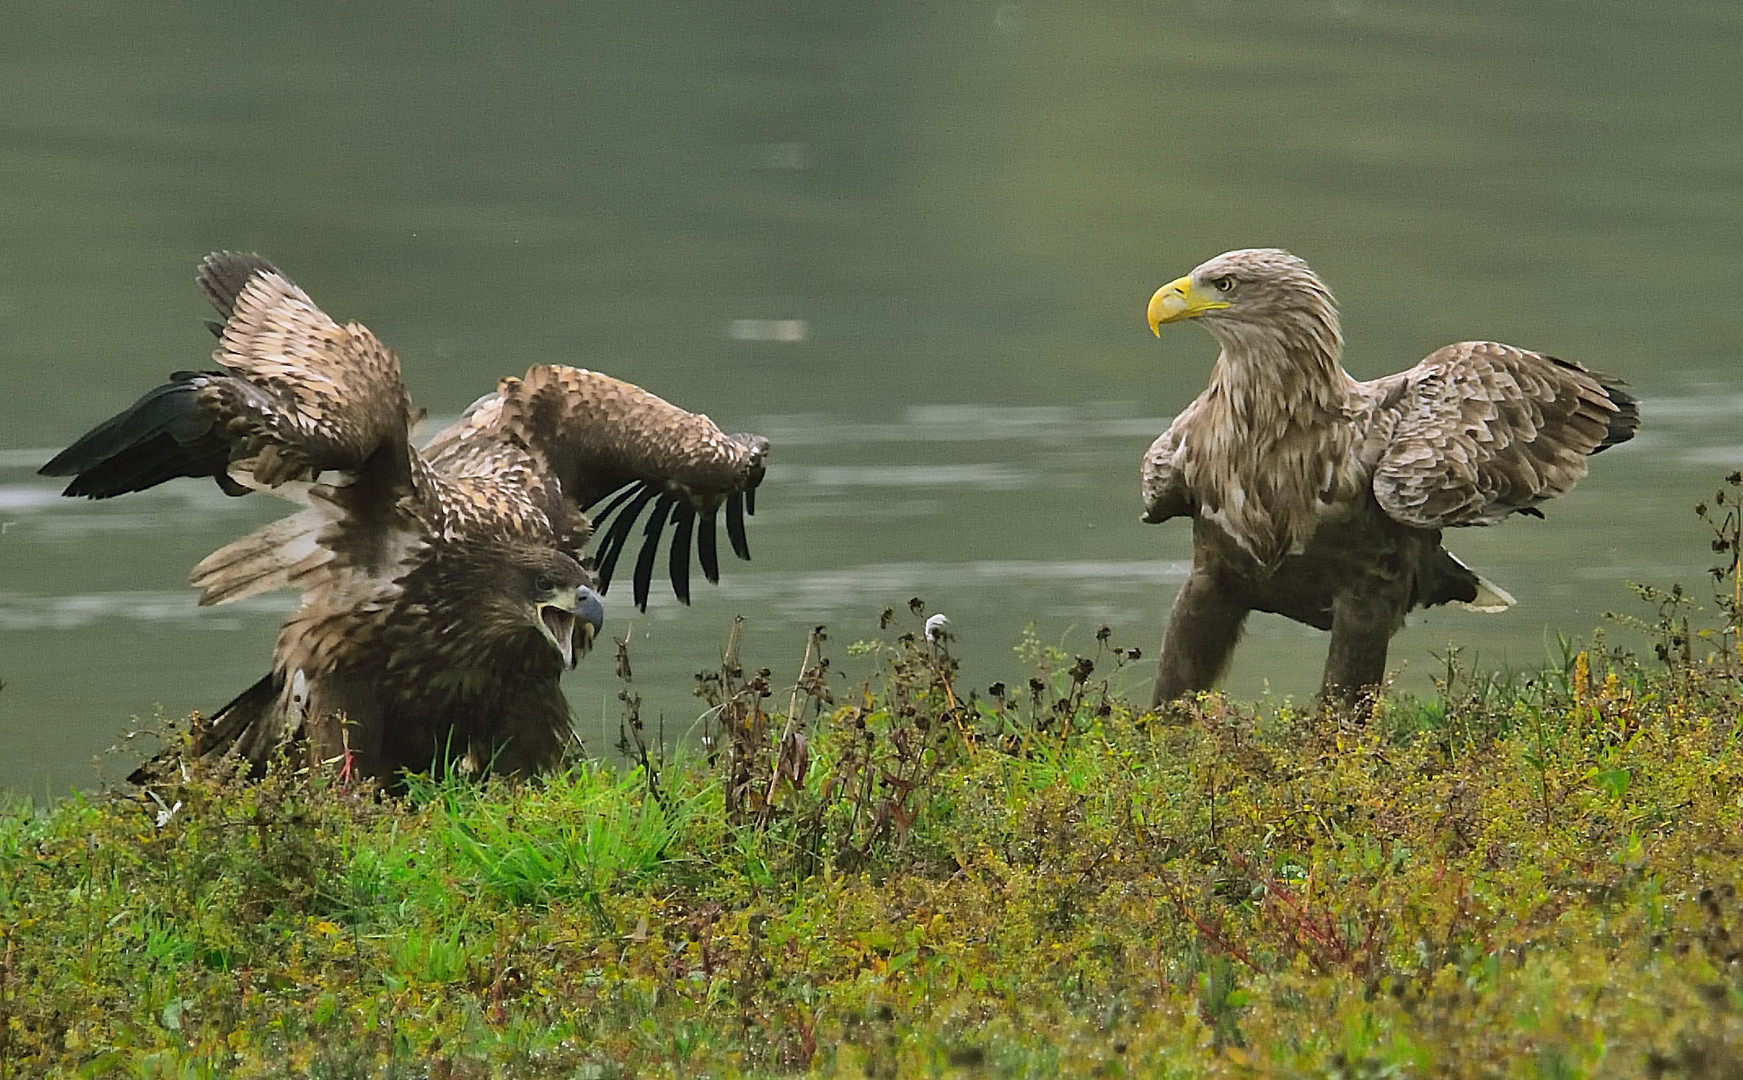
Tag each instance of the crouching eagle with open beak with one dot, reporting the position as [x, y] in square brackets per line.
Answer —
[444, 589]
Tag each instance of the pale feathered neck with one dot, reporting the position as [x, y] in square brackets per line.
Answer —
[1276, 370]
[1268, 454]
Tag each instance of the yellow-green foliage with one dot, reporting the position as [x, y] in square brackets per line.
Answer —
[1542, 882]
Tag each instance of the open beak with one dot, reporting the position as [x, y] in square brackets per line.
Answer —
[1177, 300]
[572, 629]
[589, 617]
[558, 625]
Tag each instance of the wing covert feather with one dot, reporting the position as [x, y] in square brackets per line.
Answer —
[313, 395]
[595, 436]
[1480, 430]
[1165, 492]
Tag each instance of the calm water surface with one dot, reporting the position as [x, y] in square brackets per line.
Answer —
[911, 243]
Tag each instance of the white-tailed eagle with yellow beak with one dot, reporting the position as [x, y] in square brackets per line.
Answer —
[1318, 497]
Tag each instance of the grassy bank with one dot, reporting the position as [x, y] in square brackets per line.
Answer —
[892, 877]
[1541, 882]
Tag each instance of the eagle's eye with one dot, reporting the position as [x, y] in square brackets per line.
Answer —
[545, 583]
[1223, 284]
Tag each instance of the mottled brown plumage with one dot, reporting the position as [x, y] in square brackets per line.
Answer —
[444, 590]
[1322, 498]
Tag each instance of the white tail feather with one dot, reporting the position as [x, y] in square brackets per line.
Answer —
[1491, 598]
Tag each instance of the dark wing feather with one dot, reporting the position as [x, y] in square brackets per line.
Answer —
[683, 525]
[295, 394]
[707, 554]
[735, 525]
[1480, 430]
[593, 435]
[603, 514]
[167, 433]
[644, 563]
[617, 534]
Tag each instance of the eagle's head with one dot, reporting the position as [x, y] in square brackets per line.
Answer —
[1253, 292]
[545, 589]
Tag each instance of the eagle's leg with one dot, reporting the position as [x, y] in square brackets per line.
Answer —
[1203, 628]
[340, 723]
[1361, 629]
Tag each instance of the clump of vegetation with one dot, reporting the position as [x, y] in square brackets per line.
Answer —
[905, 876]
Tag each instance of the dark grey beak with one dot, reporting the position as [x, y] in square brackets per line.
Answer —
[589, 618]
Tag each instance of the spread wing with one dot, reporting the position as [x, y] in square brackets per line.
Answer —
[607, 443]
[1480, 430]
[295, 396]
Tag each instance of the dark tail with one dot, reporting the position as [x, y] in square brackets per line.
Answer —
[1626, 422]
[240, 726]
[165, 434]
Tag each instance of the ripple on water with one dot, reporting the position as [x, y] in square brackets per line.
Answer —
[24, 612]
[966, 423]
[819, 592]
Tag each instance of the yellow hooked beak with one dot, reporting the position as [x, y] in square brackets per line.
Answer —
[1177, 300]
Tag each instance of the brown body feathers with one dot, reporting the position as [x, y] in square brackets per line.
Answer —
[444, 590]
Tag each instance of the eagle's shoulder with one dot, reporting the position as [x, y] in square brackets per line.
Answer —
[1166, 494]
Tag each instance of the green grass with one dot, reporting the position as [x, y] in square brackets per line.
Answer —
[1535, 877]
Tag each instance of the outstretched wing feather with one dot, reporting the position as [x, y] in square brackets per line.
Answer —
[683, 525]
[707, 554]
[300, 393]
[623, 495]
[1480, 430]
[294, 395]
[593, 434]
[644, 563]
[735, 525]
[618, 534]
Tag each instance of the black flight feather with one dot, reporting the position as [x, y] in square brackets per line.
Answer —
[735, 525]
[163, 435]
[705, 550]
[683, 524]
[644, 563]
[1625, 420]
[612, 546]
[617, 499]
